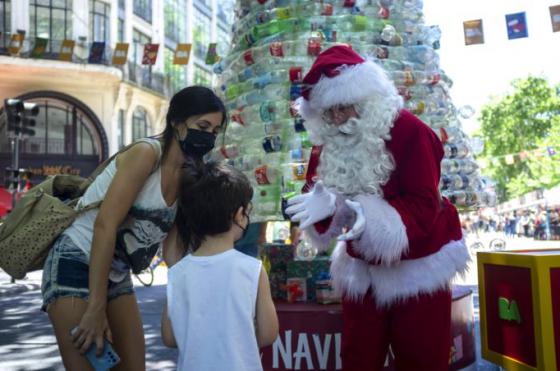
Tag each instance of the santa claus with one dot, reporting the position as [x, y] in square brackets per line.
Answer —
[372, 183]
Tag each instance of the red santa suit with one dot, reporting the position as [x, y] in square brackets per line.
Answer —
[395, 277]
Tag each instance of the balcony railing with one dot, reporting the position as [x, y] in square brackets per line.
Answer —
[134, 72]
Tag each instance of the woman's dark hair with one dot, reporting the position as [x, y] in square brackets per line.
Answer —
[189, 102]
[209, 196]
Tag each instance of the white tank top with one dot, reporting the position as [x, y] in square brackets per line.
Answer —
[211, 304]
[146, 226]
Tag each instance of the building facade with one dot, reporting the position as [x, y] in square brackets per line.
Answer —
[90, 110]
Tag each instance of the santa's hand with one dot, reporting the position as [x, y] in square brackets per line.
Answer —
[312, 207]
[359, 225]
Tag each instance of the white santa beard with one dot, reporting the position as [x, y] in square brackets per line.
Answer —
[360, 162]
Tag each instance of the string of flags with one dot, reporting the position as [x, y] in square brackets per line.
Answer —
[97, 51]
[513, 158]
[516, 24]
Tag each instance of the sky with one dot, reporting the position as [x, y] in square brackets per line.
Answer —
[481, 71]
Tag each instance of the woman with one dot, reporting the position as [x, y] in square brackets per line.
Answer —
[86, 278]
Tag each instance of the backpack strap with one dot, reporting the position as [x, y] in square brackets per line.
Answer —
[156, 145]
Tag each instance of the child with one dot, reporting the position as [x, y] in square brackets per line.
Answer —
[220, 310]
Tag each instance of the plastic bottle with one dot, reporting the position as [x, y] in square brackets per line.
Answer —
[456, 149]
[266, 174]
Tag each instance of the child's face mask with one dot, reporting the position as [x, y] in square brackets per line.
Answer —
[246, 226]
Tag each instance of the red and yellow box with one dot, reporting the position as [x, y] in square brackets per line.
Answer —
[519, 293]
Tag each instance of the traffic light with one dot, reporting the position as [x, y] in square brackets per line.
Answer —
[21, 116]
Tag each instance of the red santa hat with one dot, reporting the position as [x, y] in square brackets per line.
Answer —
[339, 75]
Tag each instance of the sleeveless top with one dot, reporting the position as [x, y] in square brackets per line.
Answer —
[148, 222]
[212, 305]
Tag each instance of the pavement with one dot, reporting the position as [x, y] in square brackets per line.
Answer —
[27, 341]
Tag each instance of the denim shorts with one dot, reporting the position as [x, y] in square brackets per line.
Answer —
[65, 274]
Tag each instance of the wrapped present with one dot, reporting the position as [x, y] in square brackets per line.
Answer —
[277, 281]
[312, 270]
[324, 290]
[278, 255]
[296, 289]
[275, 258]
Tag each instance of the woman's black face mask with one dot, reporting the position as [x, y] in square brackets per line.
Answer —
[197, 143]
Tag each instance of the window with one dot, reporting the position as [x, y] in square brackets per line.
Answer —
[176, 73]
[99, 21]
[201, 34]
[122, 4]
[175, 20]
[139, 123]
[51, 19]
[60, 129]
[121, 129]
[143, 9]
[207, 3]
[120, 30]
[139, 39]
[226, 11]
[5, 22]
[201, 76]
[224, 40]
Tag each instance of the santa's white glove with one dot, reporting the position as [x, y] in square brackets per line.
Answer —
[312, 207]
[359, 225]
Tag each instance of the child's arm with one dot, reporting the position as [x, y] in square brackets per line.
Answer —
[166, 330]
[172, 250]
[267, 321]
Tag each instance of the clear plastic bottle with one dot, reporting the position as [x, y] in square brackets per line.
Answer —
[457, 149]
[267, 174]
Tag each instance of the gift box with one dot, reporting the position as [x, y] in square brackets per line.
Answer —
[278, 255]
[324, 291]
[313, 270]
[519, 306]
[296, 289]
[275, 258]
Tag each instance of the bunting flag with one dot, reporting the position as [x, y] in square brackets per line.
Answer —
[516, 26]
[555, 17]
[66, 50]
[120, 54]
[512, 158]
[97, 52]
[150, 54]
[474, 33]
[16, 43]
[39, 48]
[182, 54]
[212, 55]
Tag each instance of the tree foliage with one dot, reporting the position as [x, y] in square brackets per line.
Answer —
[526, 119]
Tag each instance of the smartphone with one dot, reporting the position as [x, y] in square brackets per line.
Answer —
[108, 358]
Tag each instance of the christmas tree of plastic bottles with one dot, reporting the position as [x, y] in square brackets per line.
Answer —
[275, 43]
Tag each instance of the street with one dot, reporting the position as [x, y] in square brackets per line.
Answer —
[27, 342]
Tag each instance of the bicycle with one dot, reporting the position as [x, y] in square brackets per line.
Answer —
[146, 277]
[496, 244]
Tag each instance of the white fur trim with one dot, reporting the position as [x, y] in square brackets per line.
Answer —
[384, 238]
[409, 278]
[354, 84]
[312, 120]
